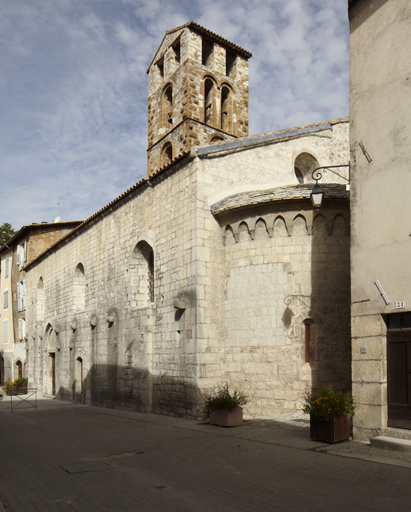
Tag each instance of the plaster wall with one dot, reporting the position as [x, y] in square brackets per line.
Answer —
[380, 101]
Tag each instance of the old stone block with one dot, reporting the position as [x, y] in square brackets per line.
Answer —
[366, 326]
[375, 346]
[369, 371]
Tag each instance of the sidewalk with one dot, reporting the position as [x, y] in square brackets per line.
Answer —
[65, 456]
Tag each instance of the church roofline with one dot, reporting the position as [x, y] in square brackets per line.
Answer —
[286, 193]
[203, 31]
[244, 143]
[265, 138]
[28, 228]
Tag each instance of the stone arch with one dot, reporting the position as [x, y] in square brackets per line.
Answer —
[339, 226]
[79, 288]
[229, 235]
[209, 100]
[280, 227]
[299, 225]
[216, 138]
[319, 227]
[244, 231]
[167, 107]
[79, 374]
[261, 230]
[166, 154]
[143, 272]
[18, 369]
[49, 379]
[304, 165]
[226, 109]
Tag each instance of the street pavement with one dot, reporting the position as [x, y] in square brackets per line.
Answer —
[69, 457]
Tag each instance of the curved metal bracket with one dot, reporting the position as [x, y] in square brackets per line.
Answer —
[317, 175]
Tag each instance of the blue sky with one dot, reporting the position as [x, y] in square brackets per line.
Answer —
[73, 88]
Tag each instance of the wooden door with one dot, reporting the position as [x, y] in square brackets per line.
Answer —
[399, 378]
[53, 373]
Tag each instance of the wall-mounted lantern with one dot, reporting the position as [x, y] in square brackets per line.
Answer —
[317, 193]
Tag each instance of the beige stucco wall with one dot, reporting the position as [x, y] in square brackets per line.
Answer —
[380, 102]
[6, 349]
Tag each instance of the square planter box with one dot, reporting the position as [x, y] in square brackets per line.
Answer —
[21, 390]
[223, 418]
[336, 429]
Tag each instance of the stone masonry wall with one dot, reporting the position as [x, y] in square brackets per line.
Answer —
[186, 75]
[274, 284]
[134, 353]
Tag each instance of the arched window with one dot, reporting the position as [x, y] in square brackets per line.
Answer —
[143, 259]
[304, 165]
[226, 109]
[166, 154]
[209, 102]
[79, 288]
[79, 376]
[19, 369]
[40, 300]
[167, 107]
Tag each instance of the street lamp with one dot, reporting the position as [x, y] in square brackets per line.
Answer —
[317, 193]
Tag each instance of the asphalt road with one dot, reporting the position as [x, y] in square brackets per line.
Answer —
[66, 457]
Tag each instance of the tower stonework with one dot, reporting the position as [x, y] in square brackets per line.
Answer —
[198, 94]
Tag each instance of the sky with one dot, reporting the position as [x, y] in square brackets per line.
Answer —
[73, 88]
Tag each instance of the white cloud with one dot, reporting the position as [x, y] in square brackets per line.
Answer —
[73, 89]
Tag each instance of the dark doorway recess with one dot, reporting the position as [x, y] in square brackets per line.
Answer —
[399, 370]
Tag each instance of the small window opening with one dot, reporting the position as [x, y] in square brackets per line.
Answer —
[225, 107]
[176, 49]
[207, 52]
[160, 65]
[299, 175]
[304, 165]
[166, 154]
[208, 101]
[168, 107]
[229, 63]
[307, 338]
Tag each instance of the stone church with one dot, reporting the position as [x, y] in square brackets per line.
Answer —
[215, 268]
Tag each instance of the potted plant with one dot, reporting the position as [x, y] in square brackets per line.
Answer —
[17, 387]
[224, 407]
[330, 411]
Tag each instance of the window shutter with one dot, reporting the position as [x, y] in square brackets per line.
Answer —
[6, 268]
[18, 255]
[18, 296]
[19, 322]
[23, 328]
[25, 252]
[23, 294]
[6, 300]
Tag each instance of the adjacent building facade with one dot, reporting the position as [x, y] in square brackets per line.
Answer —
[214, 268]
[26, 245]
[380, 135]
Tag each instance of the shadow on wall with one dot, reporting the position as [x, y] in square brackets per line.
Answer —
[122, 387]
[330, 333]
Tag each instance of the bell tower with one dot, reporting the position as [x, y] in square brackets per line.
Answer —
[198, 93]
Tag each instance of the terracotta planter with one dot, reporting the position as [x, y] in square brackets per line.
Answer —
[224, 418]
[336, 429]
